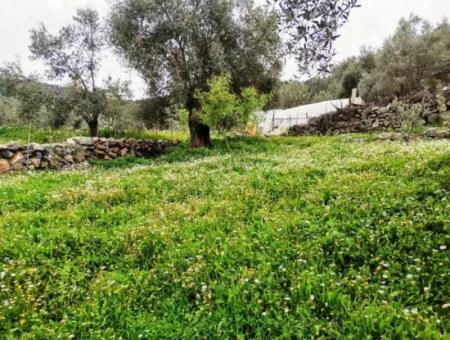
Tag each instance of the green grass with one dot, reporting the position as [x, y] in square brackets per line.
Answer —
[332, 237]
[20, 135]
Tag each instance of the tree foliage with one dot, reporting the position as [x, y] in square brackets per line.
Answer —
[416, 56]
[177, 45]
[225, 111]
[157, 112]
[311, 26]
[75, 52]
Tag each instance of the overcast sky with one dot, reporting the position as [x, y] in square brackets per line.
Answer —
[368, 26]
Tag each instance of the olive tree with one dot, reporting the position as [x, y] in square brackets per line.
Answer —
[75, 52]
[178, 45]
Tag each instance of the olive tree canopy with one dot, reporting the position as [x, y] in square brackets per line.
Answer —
[76, 53]
[177, 45]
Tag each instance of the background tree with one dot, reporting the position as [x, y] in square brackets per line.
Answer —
[75, 53]
[416, 56]
[157, 112]
[118, 114]
[290, 94]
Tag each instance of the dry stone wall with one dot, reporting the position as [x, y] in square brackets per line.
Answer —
[365, 118]
[75, 152]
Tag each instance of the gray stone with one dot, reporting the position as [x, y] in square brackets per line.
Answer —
[376, 124]
[68, 158]
[13, 147]
[35, 162]
[6, 154]
[84, 140]
[79, 156]
[383, 110]
[37, 147]
[432, 133]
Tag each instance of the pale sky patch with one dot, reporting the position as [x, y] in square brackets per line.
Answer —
[368, 26]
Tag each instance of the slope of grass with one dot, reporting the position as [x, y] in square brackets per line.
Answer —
[333, 237]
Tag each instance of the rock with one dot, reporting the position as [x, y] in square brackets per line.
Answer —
[84, 140]
[99, 152]
[71, 141]
[383, 110]
[54, 162]
[123, 152]
[376, 124]
[4, 166]
[35, 162]
[17, 166]
[3, 147]
[79, 156]
[6, 154]
[37, 154]
[13, 147]
[434, 118]
[36, 147]
[432, 133]
[100, 146]
[68, 158]
[111, 154]
[17, 157]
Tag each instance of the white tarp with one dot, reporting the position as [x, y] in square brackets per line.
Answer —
[283, 119]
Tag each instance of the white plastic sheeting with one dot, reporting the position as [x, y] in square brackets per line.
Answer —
[283, 119]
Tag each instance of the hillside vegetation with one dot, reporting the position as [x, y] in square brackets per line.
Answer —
[335, 237]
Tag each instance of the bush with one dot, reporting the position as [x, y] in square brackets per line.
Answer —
[407, 117]
[9, 111]
[225, 111]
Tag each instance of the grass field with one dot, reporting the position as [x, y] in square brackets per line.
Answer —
[332, 237]
[20, 135]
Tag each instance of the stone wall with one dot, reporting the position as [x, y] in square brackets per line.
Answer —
[75, 152]
[366, 118]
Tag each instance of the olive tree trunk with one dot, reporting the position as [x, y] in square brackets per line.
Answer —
[199, 132]
[93, 127]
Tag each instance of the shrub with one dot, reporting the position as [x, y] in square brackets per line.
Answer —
[407, 117]
[225, 111]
